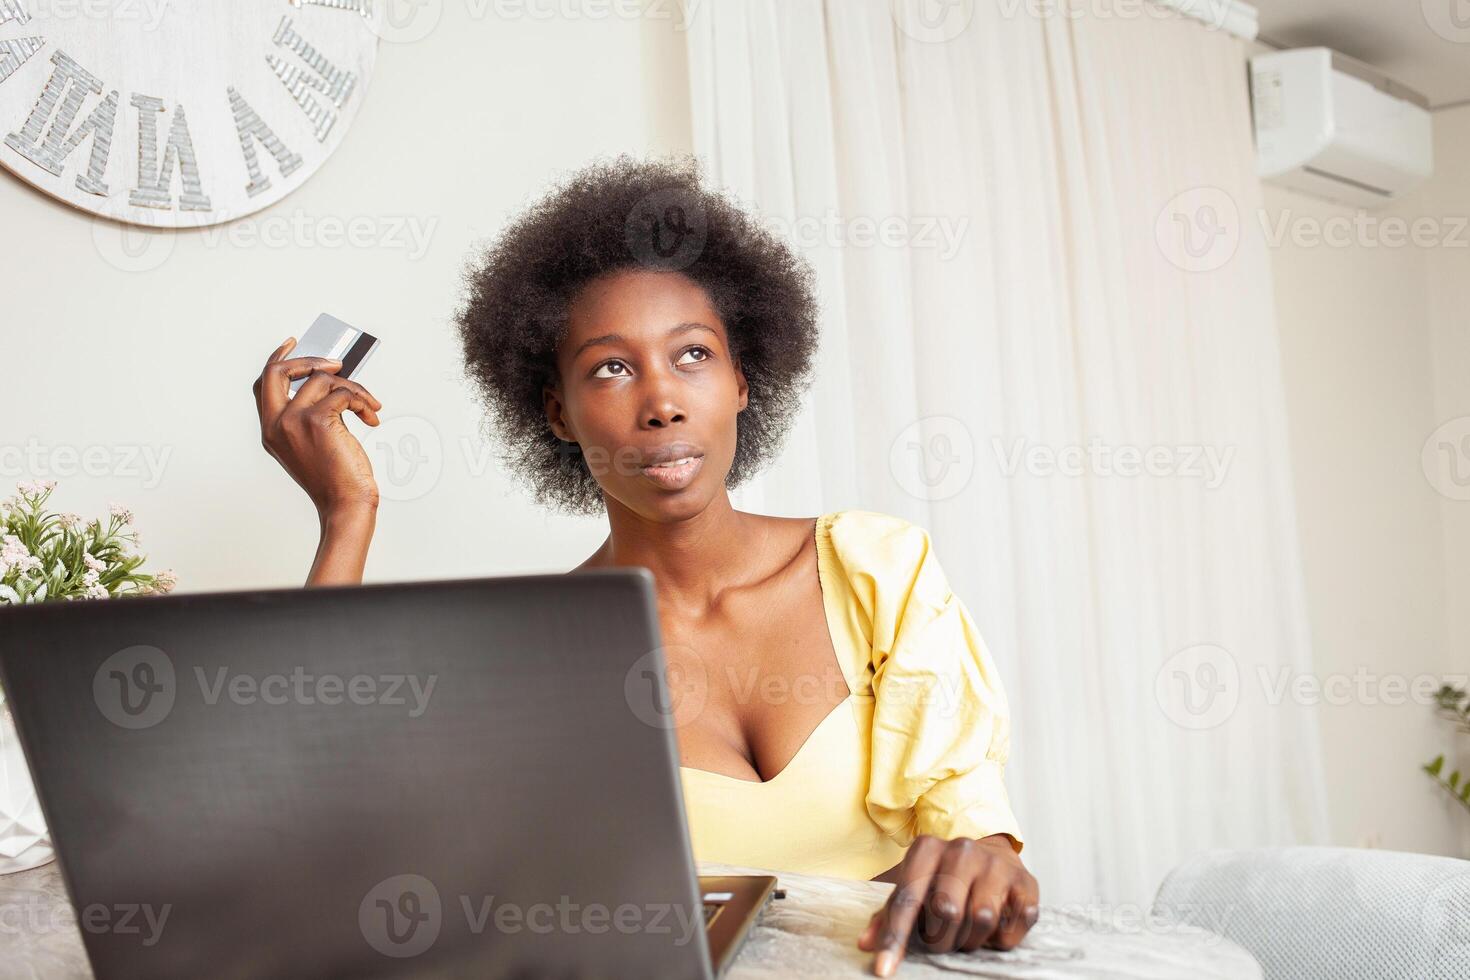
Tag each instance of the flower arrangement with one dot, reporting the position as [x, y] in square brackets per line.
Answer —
[51, 557]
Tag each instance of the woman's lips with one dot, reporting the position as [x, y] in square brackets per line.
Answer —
[674, 476]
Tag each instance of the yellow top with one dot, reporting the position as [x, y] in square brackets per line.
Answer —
[918, 747]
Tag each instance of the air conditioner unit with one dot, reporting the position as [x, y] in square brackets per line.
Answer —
[1338, 129]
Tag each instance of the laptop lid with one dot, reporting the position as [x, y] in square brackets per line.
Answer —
[459, 778]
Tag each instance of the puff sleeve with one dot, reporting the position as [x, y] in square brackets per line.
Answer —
[941, 726]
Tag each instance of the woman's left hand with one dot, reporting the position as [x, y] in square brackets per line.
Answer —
[953, 895]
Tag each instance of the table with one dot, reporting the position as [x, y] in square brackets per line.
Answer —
[812, 932]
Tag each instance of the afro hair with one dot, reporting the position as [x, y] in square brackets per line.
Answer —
[611, 216]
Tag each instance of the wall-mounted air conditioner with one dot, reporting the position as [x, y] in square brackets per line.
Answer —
[1336, 128]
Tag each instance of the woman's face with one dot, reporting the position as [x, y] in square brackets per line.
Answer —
[647, 377]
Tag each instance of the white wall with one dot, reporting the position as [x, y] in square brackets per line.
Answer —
[1449, 272]
[1374, 346]
[462, 128]
[457, 131]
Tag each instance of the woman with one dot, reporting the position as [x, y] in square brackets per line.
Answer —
[642, 345]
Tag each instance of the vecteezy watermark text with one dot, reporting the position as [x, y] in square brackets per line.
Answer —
[137, 687]
[402, 916]
[1207, 464]
[300, 687]
[38, 460]
[35, 913]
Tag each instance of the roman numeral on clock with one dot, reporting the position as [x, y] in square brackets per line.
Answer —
[13, 10]
[251, 128]
[154, 188]
[322, 79]
[51, 103]
[16, 52]
[64, 93]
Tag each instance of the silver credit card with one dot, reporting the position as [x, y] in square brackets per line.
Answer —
[330, 337]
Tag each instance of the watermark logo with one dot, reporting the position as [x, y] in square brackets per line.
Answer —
[941, 234]
[1363, 230]
[300, 687]
[29, 914]
[1199, 230]
[135, 687]
[1445, 923]
[404, 21]
[129, 248]
[545, 10]
[679, 699]
[933, 21]
[1198, 688]
[667, 230]
[401, 916]
[1446, 459]
[126, 461]
[933, 458]
[146, 14]
[1450, 19]
[407, 456]
[1212, 13]
[1208, 465]
[1202, 686]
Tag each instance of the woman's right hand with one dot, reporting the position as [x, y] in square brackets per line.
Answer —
[306, 434]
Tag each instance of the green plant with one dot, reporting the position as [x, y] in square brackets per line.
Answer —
[51, 557]
[1452, 703]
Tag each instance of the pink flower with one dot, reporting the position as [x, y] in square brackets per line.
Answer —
[13, 554]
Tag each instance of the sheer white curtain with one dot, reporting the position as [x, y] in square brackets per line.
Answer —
[1049, 338]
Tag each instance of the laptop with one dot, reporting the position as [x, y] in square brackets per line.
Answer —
[463, 778]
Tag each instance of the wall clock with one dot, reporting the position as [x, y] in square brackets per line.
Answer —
[178, 113]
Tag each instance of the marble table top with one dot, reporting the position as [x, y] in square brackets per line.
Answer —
[810, 933]
[813, 933]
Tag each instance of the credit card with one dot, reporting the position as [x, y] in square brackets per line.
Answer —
[330, 337]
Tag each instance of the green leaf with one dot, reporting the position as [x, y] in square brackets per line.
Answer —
[1455, 779]
[1434, 768]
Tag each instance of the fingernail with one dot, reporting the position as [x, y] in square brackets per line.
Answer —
[885, 963]
[945, 908]
[985, 916]
[1032, 914]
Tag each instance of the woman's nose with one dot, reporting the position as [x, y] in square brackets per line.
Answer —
[663, 414]
[664, 406]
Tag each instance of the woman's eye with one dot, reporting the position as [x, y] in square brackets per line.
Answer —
[622, 369]
[610, 364]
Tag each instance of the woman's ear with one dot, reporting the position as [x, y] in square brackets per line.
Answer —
[742, 389]
[551, 402]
